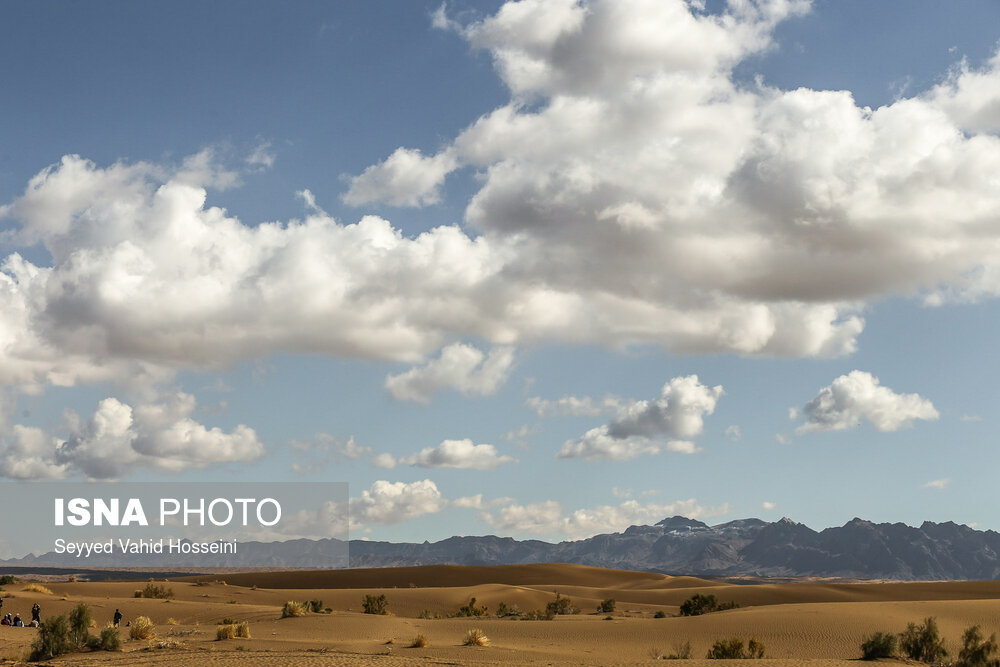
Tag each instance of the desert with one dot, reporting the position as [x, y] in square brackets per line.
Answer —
[814, 622]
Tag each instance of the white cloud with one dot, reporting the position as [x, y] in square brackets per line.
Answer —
[391, 503]
[461, 367]
[639, 426]
[462, 454]
[547, 518]
[970, 418]
[575, 406]
[385, 460]
[119, 438]
[262, 157]
[734, 433]
[859, 395]
[768, 505]
[323, 449]
[937, 483]
[405, 178]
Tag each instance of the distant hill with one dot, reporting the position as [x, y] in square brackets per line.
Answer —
[680, 546]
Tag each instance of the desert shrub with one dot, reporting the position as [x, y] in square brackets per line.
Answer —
[227, 631]
[375, 604]
[71, 579]
[138, 593]
[476, 637]
[419, 642]
[426, 614]
[561, 606]
[38, 588]
[316, 606]
[80, 620]
[243, 630]
[606, 607]
[53, 639]
[976, 651]
[155, 592]
[699, 604]
[141, 628]
[660, 614]
[228, 620]
[172, 621]
[539, 615]
[504, 610]
[293, 608]
[878, 645]
[732, 649]
[471, 609]
[110, 640]
[7, 580]
[923, 642]
[681, 651]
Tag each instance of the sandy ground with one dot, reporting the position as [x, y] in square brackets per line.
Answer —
[814, 624]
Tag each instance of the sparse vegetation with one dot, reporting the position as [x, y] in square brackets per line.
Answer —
[419, 641]
[561, 607]
[141, 628]
[80, 620]
[878, 645]
[155, 592]
[606, 607]
[293, 609]
[476, 637]
[733, 649]
[923, 642]
[110, 640]
[699, 604]
[38, 588]
[427, 614]
[375, 604]
[172, 621]
[471, 609]
[228, 620]
[7, 580]
[977, 651]
[660, 614]
[504, 610]
[539, 615]
[316, 606]
[53, 639]
[682, 651]
[233, 631]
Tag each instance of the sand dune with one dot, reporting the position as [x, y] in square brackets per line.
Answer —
[800, 623]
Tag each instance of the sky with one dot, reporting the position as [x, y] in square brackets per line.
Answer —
[545, 268]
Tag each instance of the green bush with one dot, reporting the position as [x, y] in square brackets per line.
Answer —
[539, 615]
[977, 652]
[80, 619]
[606, 607]
[699, 604]
[110, 640]
[878, 645]
[732, 649]
[923, 642]
[7, 580]
[561, 607]
[155, 592]
[316, 606]
[53, 639]
[471, 609]
[503, 610]
[375, 604]
[660, 614]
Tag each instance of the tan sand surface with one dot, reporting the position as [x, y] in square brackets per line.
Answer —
[810, 623]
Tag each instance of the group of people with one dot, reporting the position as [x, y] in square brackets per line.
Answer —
[17, 622]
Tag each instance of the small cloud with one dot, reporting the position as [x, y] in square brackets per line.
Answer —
[385, 461]
[262, 158]
[970, 418]
[768, 505]
[734, 433]
[462, 454]
[859, 395]
[621, 493]
[782, 439]
[937, 483]
[461, 367]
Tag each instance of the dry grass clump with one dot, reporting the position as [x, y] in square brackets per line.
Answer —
[233, 631]
[293, 608]
[476, 637]
[38, 588]
[141, 628]
[172, 621]
[419, 641]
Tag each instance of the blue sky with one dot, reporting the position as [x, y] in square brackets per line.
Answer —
[379, 242]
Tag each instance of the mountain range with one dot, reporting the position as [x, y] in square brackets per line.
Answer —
[677, 545]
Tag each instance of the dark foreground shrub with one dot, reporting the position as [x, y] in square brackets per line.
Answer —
[923, 642]
[878, 645]
[732, 649]
[53, 639]
[606, 607]
[976, 651]
[699, 604]
[375, 604]
[110, 640]
[80, 619]
[660, 614]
